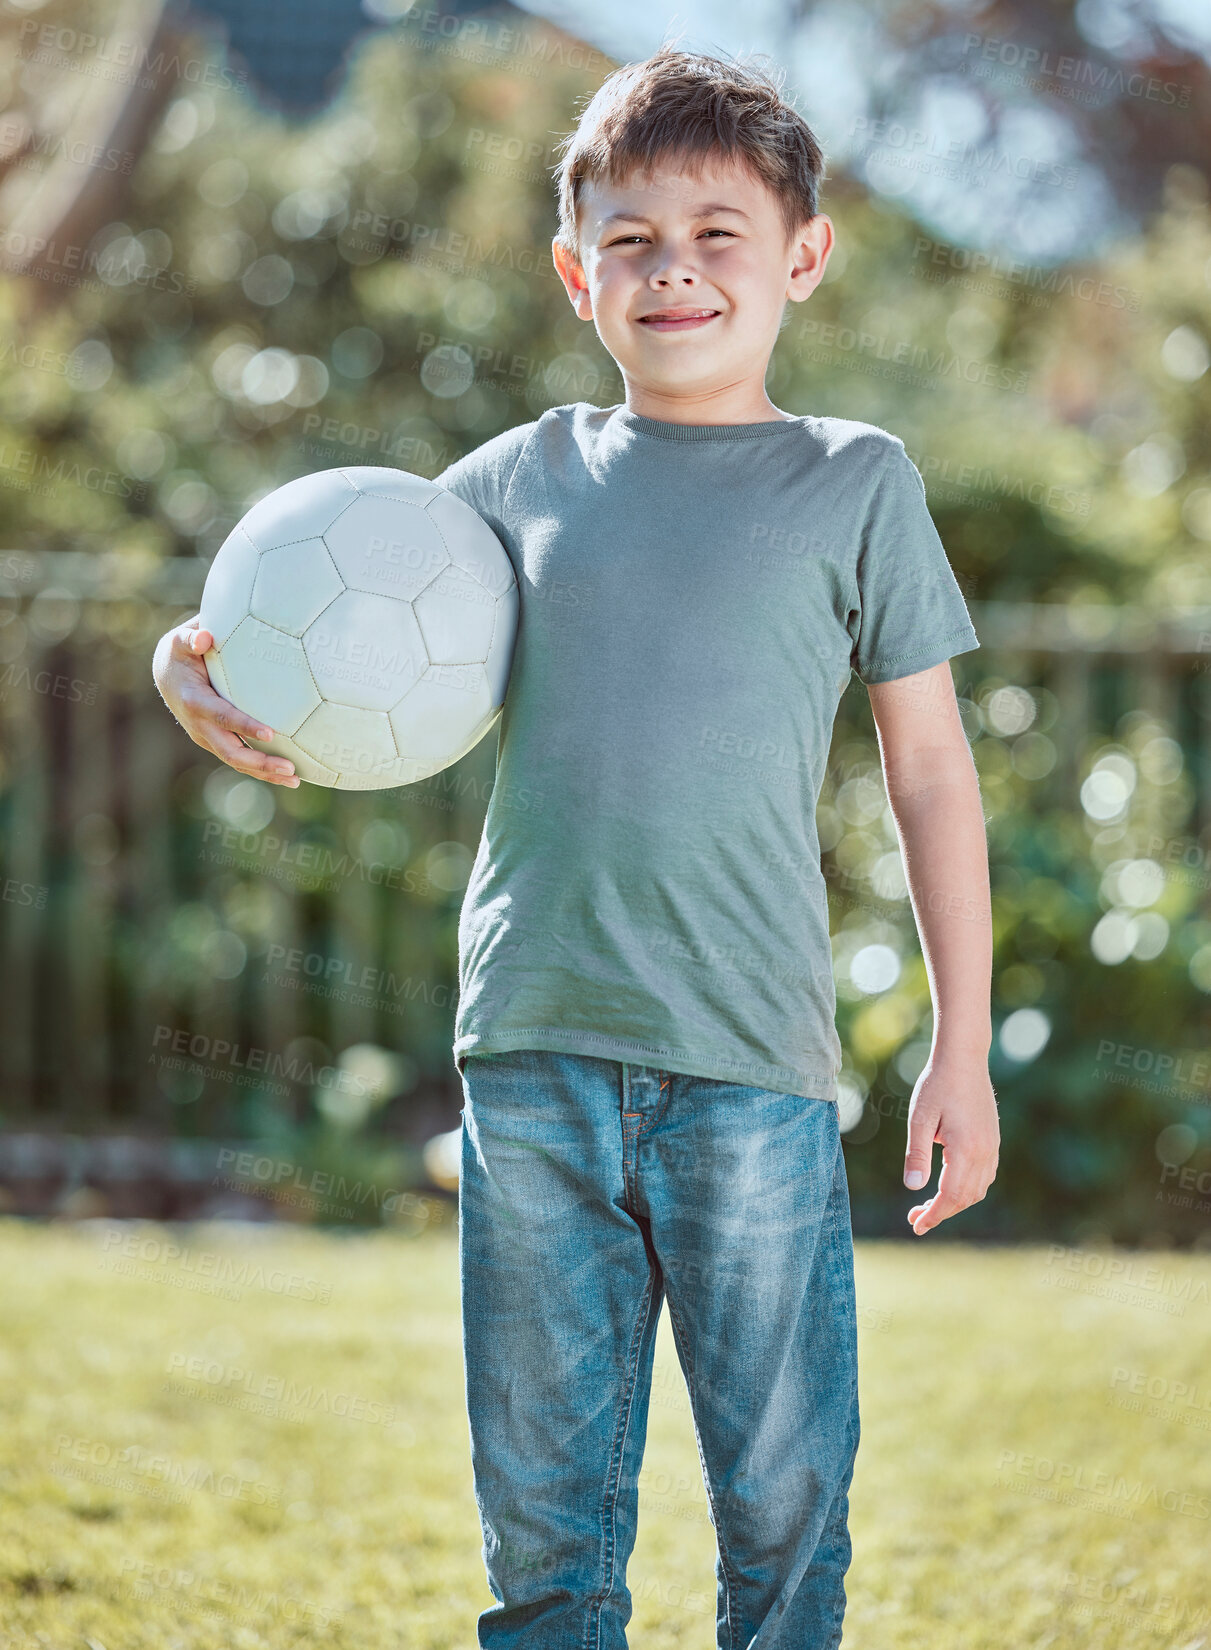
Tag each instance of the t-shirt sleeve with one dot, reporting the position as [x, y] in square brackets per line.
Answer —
[481, 478]
[910, 613]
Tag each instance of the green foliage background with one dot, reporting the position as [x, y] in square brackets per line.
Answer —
[285, 297]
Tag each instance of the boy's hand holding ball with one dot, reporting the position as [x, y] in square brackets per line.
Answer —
[210, 720]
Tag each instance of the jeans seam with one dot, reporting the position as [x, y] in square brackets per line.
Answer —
[632, 1137]
[852, 1428]
[724, 1561]
[630, 1191]
[852, 1434]
[609, 1501]
[664, 1100]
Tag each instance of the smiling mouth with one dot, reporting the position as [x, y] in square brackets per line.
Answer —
[677, 320]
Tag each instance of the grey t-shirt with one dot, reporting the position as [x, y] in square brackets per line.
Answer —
[693, 599]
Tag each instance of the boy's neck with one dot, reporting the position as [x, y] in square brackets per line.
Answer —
[735, 404]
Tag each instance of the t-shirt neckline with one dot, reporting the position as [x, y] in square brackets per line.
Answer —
[664, 430]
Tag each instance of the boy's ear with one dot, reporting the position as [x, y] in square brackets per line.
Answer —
[573, 278]
[810, 248]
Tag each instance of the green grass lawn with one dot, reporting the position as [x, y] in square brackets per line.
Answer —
[263, 1442]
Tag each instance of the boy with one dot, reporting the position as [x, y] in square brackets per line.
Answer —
[645, 1027]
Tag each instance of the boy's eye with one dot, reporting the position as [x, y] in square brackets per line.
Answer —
[623, 239]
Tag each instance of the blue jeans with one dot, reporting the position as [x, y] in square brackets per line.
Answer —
[590, 1191]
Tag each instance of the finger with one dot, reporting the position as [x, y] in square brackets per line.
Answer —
[927, 1214]
[930, 1214]
[958, 1197]
[279, 770]
[183, 635]
[203, 702]
[956, 1191]
[918, 1158]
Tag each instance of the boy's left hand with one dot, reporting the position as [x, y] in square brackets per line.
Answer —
[953, 1104]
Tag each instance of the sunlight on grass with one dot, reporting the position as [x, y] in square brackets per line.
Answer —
[224, 1438]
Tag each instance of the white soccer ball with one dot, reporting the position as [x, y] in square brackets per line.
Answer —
[368, 617]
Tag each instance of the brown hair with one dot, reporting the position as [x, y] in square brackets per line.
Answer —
[689, 105]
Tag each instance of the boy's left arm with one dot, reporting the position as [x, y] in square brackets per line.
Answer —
[934, 793]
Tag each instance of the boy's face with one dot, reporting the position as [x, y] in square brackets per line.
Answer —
[709, 247]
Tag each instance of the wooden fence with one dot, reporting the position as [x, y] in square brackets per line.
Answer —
[165, 969]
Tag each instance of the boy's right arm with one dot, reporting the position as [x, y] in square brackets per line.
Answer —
[210, 720]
